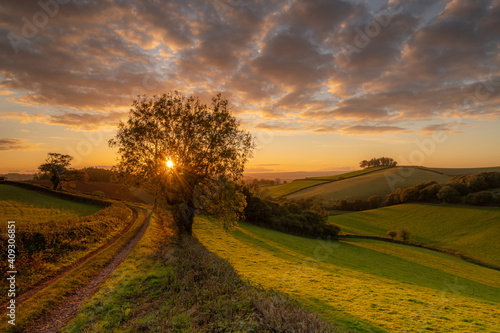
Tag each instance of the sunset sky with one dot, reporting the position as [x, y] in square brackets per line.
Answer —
[321, 84]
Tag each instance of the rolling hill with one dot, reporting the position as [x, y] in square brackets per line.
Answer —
[474, 231]
[364, 285]
[366, 185]
[300, 184]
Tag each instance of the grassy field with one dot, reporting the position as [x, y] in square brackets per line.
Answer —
[172, 285]
[284, 189]
[351, 174]
[474, 231]
[53, 233]
[300, 184]
[26, 206]
[365, 285]
[364, 186]
[463, 171]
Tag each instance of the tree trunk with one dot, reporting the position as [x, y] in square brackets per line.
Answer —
[185, 217]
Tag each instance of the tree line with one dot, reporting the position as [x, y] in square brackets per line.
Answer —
[375, 162]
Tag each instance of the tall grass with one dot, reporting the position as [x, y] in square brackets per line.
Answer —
[176, 285]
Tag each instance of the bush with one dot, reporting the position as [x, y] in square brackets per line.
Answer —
[404, 234]
[476, 183]
[481, 198]
[375, 201]
[392, 234]
[393, 198]
[429, 193]
[448, 194]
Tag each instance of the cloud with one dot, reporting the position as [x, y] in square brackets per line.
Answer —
[16, 144]
[273, 59]
[371, 129]
[442, 127]
[77, 121]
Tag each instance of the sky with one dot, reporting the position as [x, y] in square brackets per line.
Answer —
[321, 84]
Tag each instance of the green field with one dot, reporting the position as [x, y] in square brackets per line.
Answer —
[350, 174]
[366, 285]
[27, 206]
[300, 184]
[364, 186]
[463, 171]
[474, 231]
[285, 189]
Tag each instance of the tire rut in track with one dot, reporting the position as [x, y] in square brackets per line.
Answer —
[60, 273]
[56, 318]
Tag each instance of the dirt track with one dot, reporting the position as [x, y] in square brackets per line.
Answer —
[56, 318]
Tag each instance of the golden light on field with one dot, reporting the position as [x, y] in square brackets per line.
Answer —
[170, 164]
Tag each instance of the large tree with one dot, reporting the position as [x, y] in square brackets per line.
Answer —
[189, 155]
[56, 168]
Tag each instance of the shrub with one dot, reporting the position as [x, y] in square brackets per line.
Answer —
[404, 234]
[448, 194]
[480, 198]
[393, 198]
[429, 193]
[375, 201]
[392, 234]
[476, 183]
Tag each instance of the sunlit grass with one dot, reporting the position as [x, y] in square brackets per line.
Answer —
[27, 206]
[474, 231]
[364, 284]
[366, 185]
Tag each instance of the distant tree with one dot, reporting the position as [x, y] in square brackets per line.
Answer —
[375, 201]
[3, 178]
[204, 146]
[448, 194]
[56, 167]
[429, 193]
[99, 174]
[476, 183]
[404, 234]
[375, 162]
[392, 234]
[482, 198]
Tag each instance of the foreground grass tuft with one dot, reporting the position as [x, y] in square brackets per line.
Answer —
[172, 285]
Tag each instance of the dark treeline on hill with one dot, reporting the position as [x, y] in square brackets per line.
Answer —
[482, 189]
[303, 218]
[472, 190]
[375, 162]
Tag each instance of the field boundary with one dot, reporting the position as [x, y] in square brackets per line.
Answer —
[449, 252]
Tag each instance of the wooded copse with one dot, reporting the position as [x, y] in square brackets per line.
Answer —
[375, 162]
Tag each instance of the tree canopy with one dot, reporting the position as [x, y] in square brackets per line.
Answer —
[204, 146]
[375, 162]
[56, 168]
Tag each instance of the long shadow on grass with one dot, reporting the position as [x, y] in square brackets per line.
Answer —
[364, 260]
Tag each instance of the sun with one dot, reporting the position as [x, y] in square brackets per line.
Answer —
[170, 164]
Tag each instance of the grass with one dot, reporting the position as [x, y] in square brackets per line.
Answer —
[285, 189]
[29, 207]
[364, 284]
[350, 174]
[300, 184]
[364, 186]
[58, 291]
[52, 233]
[474, 231]
[167, 285]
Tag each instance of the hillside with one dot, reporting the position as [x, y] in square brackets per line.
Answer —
[364, 186]
[300, 184]
[364, 285]
[474, 231]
